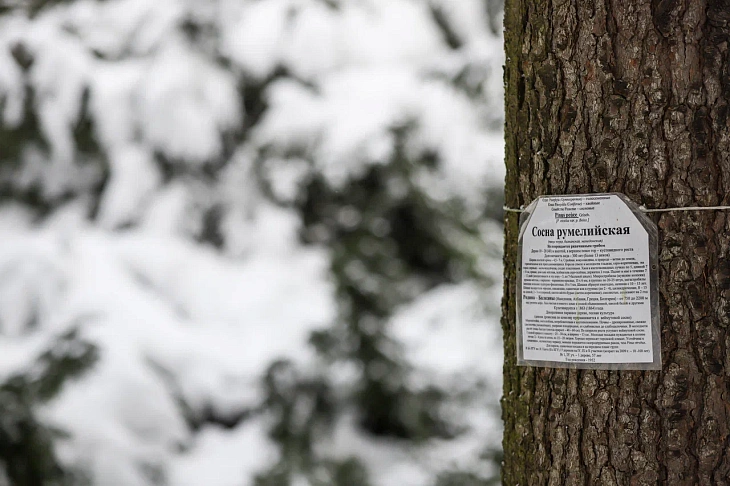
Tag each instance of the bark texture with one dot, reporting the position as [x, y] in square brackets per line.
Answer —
[629, 96]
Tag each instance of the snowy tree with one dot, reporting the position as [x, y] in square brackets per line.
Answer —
[261, 235]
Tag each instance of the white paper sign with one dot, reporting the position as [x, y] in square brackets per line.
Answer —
[585, 283]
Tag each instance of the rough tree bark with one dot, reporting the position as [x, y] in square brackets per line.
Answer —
[630, 96]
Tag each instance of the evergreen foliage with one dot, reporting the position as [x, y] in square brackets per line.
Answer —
[27, 454]
[217, 136]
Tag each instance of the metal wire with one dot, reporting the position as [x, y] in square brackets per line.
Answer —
[643, 209]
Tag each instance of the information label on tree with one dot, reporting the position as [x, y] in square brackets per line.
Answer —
[586, 286]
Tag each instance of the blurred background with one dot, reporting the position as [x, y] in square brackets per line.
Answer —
[250, 242]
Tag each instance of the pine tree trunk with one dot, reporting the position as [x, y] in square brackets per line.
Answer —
[629, 96]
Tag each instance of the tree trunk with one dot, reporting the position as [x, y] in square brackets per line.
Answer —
[633, 97]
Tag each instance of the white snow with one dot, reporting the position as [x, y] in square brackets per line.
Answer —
[213, 325]
[252, 35]
[132, 181]
[349, 123]
[30, 285]
[220, 457]
[312, 39]
[186, 103]
[11, 83]
[451, 333]
[183, 328]
[120, 27]
[59, 74]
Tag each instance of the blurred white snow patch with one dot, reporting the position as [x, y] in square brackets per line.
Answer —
[393, 462]
[66, 221]
[268, 229]
[349, 122]
[114, 101]
[220, 457]
[12, 94]
[299, 480]
[32, 281]
[251, 222]
[133, 178]
[19, 355]
[471, 158]
[286, 177]
[53, 178]
[59, 74]
[323, 124]
[467, 451]
[253, 32]
[466, 18]
[212, 289]
[451, 335]
[389, 462]
[115, 28]
[389, 31]
[312, 38]
[176, 102]
[168, 211]
[15, 218]
[172, 321]
[212, 324]
[186, 103]
[313, 42]
[120, 418]
[298, 120]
